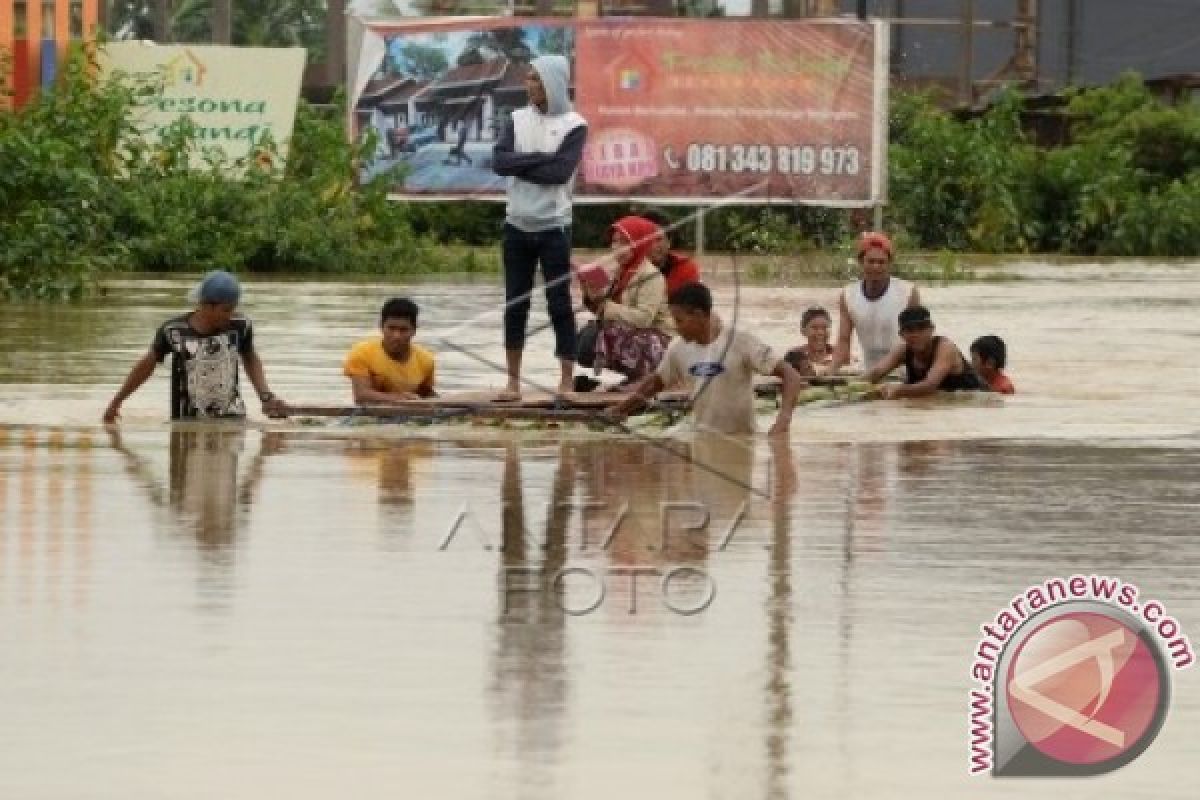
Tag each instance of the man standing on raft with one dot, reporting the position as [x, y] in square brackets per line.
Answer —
[539, 151]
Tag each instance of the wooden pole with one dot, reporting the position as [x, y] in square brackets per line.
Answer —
[1074, 12]
[222, 22]
[7, 31]
[446, 412]
[335, 53]
[161, 21]
[94, 15]
[33, 38]
[1025, 58]
[62, 30]
[966, 88]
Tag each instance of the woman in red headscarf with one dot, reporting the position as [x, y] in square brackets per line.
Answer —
[635, 325]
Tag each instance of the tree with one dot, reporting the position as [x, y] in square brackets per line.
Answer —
[555, 40]
[257, 23]
[509, 42]
[470, 57]
[422, 60]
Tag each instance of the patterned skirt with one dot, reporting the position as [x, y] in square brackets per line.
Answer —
[633, 352]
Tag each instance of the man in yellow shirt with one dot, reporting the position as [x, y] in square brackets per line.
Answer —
[391, 369]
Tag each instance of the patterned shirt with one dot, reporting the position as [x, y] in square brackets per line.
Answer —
[204, 367]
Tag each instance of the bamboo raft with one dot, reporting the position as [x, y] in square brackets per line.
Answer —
[586, 407]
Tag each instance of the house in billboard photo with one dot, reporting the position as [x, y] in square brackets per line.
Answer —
[439, 102]
[467, 106]
[388, 105]
[476, 97]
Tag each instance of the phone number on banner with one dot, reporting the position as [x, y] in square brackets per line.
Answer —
[784, 159]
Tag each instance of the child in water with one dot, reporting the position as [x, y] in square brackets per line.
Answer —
[988, 356]
[816, 354]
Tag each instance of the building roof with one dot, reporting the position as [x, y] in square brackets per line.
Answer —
[376, 88]
[400, 95]
[514, 76]
[472, 74]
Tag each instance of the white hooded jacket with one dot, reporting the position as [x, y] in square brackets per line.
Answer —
[540, 153]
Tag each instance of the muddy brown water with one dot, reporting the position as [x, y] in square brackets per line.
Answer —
[199, 611]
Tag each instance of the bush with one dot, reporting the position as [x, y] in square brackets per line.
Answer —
[56, 185]
[964, 186]
[77, 202]
[81, 196]
[1124, 186]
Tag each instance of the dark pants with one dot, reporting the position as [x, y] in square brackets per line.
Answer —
[522, 252]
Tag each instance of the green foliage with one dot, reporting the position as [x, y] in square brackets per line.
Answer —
[1125, 185]
[82, 196]
[56, 186]
[79, 196]
[308, 217]
[423, 61]
[256, 23]
[963, 185]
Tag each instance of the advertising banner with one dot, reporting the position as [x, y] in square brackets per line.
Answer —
[686, 111]
[236, 96]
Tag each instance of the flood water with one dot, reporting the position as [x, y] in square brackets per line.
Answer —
[277, 610]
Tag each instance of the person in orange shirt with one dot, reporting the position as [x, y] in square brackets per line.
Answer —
[988, 356]
[678, 268]
[392, 368]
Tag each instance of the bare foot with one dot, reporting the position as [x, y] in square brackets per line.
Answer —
[509, 394]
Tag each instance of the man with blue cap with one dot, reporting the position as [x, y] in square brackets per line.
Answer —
[205, 347]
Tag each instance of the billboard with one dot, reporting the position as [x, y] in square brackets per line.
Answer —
[681, 111]
[209, 84]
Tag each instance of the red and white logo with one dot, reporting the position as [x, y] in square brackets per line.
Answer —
[1084, 688]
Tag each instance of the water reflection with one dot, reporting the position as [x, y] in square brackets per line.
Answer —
[530, 685]
[396, 667]
[779, 620]
[44, 474]
[206, 495]
[843, 554]
[390, 467]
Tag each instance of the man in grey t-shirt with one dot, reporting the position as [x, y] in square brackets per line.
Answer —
[718, 365]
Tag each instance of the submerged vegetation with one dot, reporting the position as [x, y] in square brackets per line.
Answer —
[79, 200]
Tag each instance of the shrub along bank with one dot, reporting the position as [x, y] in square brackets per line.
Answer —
[75, 203]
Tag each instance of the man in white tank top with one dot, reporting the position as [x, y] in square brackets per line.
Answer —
[870, 307]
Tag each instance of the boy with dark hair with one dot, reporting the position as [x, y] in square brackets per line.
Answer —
[678, 268]
[718, 365]
[391, 368]
[988, 357]
[205, 346]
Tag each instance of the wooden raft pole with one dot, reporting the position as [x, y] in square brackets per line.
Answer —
[585, 407]
[449, 412]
